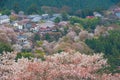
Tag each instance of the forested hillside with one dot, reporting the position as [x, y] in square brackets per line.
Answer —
[72, 6]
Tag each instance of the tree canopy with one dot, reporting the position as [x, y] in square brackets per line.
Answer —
[70, 6]
[109, 45]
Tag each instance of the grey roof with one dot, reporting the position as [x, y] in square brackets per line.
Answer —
[47, 24]
[3, 17]
[20, 37]
[44, 15]
[57, 15]
[118, 14]
[33, 16]
[36, 19]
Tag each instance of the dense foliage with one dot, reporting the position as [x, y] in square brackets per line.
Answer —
[70, 6]
[109, 45]
[5, 47]
[87, 23]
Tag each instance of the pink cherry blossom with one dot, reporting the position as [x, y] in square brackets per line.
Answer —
[62, 66]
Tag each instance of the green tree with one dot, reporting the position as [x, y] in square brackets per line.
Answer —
[39, 54]
[16, 7]
[32, 9]
[109, 45]
[64, 16]
[25, 55]
[87, 23]
[47, 37]
[57, 20]
[74, 19]
[90, 23]
[5, 47]
[6, 12]
[36, 37]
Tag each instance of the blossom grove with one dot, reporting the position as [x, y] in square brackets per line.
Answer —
[63, 66]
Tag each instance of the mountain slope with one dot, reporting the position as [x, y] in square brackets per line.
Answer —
[72, 4]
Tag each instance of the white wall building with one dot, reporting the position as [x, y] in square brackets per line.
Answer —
[4, 19]
[18, 26]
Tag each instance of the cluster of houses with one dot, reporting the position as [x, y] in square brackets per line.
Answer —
[26, 25]
[35, 23]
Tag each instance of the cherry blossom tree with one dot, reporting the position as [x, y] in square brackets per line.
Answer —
[100, 30]
[63, 66]
[8, 33]
[71, 35]
[83, 35]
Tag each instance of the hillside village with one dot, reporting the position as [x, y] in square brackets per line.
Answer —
[25, 26]
[29, 27]
[60, 40]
